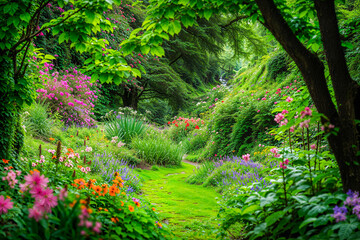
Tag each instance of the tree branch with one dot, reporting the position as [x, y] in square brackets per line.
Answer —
[233, 21]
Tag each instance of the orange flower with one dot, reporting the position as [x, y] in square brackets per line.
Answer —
[137, 204]
[5, 161]
[51, 139]
[53, 157]
[10, 167]
[71, 136]
[131, 208]
[97, 189]
[153, 209]
[122, 203]
[106, 210]
[113, 190]
[115, 220]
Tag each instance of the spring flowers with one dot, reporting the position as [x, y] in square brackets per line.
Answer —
[5, 204]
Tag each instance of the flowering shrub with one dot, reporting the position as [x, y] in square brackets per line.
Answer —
[181, 127]
[70, 93]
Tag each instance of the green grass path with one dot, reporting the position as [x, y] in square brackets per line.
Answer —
[189, 210]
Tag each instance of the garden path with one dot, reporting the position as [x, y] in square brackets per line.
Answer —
[189, 210]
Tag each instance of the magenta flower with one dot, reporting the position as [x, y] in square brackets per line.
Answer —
[35, 213]
[36, 180]
[5, 204]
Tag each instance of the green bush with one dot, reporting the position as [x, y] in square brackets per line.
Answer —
[124, 127]
[37, 120]
[158, 150]
[277, 65]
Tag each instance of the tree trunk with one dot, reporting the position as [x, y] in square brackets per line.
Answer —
[130, 98]
[346, 143]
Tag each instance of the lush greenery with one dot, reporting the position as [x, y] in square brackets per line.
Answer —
[179, 119]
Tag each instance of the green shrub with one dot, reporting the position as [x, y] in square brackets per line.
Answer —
[277, 65]
[37, 121]
[158, 150]
[124, 127]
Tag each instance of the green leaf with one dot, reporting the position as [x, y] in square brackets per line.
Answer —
[136, 72]
[250, 209]
[183, 2]
[7, 8]
[169, 13]
[270, 198]
[160, 51]
[346, 230]
[306, 222]
[25, 17]
[273, 218]
[74, 36]
[177, 26]
[321, 221]
[90, 16]
[316, 210]
[62, 37]
[207, 13]
[187, 20]
[49, 57]
[145, 49]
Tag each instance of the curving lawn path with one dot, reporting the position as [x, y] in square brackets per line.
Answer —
[189, 210]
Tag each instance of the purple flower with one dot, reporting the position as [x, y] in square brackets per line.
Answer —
[340, 213]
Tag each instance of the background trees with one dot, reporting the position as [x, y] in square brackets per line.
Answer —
[298, 26]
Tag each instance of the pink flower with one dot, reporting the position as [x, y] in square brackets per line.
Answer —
[286, 161]
[37, 192]
[63, 194]
[313, 146]
[36, 180]
[279, 117]
[282, 165]
[289, 99]
[307, 112]
[71, 104]
[97, 227]
[46, 201]
[305, 124]
[246, 157]
[331, 126]
[5, 204]
[35, 213]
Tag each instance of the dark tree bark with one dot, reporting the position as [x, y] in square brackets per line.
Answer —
[345, 144]
[130, 98]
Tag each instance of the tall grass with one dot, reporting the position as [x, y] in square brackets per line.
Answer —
[125, 127]
[158, 150]
[37, 120]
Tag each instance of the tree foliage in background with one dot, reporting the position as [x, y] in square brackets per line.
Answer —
[302, 28]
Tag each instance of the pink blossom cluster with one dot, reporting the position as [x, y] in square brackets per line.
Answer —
[70, 93]
[284, 163]
[275, 151]
[84, 216]
[11, 178]
[5, 204]
[45, 200]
